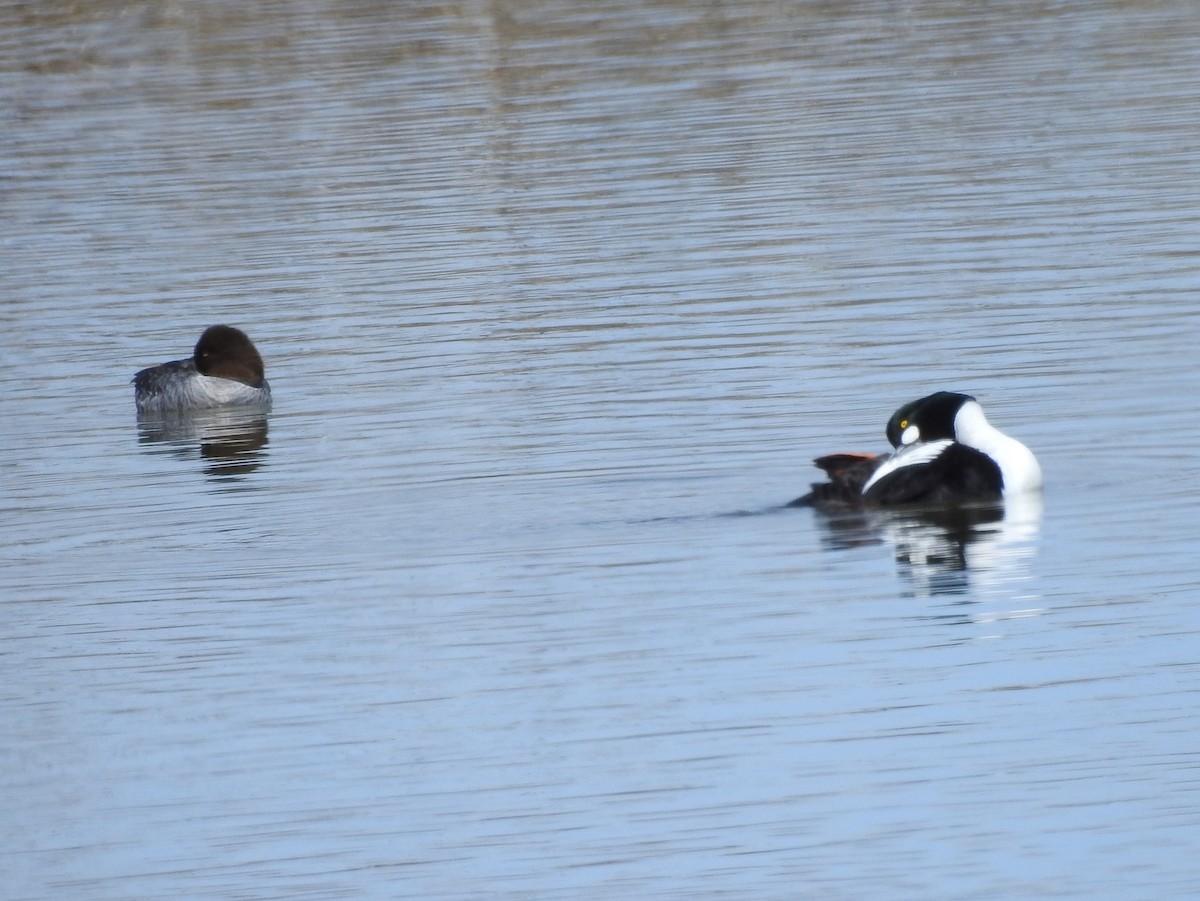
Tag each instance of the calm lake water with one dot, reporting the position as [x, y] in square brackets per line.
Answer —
[558, 301]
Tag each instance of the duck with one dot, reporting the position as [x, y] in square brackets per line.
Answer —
[945, 452]
[225, 370]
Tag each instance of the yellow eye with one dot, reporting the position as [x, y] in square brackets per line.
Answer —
[904, 423]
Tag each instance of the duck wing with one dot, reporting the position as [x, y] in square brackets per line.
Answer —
[954, 474]
[848, 473]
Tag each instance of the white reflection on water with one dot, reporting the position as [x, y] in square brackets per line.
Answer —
[947, 551]
[231, 443]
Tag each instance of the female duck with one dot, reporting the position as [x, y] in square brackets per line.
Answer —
[224, 370]
[946, 453]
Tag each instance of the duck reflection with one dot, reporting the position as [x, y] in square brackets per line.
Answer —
[940, 550]
[231, 441]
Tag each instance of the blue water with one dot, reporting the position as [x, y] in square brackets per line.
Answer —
[558, 301]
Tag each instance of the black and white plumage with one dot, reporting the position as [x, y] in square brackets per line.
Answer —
[946, 452]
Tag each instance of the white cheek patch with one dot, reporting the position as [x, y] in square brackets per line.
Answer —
[911, 434]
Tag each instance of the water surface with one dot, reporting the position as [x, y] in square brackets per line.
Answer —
[557, 302]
